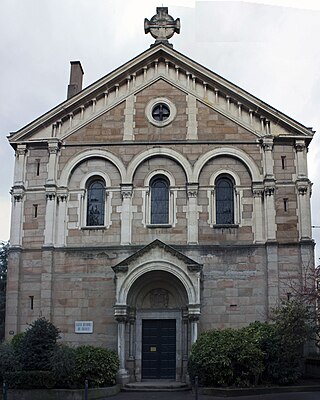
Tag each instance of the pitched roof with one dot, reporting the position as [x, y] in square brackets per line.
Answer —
[195, 72]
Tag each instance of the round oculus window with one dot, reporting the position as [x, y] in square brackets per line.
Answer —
[160, 111]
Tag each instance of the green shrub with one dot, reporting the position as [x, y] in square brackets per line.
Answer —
[8, 359]
[226, 357]
[17, 339]
[64, 366]
[38, 345]
[29, 379]
[96, 364]
[285, 351]
[271, 353]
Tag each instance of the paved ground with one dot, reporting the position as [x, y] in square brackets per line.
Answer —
[191, 396]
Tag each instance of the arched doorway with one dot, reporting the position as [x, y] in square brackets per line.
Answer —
[158, 334]
[157, 309]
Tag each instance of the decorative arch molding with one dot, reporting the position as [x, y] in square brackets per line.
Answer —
[232, 152]
[126, 283]
[224, 171]
[97, 173]
[159, 151]
[87, 154]
[156, 172]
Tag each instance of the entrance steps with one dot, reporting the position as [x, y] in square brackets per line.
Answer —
[155, 386]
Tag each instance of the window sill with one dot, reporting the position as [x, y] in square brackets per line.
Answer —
[222, 226]
[154, 226]
[93, 228]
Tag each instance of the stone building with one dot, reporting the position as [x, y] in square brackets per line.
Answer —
[158, 202]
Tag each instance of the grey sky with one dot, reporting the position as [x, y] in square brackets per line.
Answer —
[268, 47]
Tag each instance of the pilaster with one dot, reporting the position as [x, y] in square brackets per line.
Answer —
[258, 193]
[192, 124]
[121, 316]
[272, 276]
[192, 213]
[62, 195]
[126, 213]
[129, 118]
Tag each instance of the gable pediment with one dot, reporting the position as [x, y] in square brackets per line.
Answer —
[157, 250]
[160, 63]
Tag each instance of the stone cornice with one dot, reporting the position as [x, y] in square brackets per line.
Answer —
[154, 55]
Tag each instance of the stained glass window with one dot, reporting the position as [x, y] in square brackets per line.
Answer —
[95, 203]
[224, 201]
[159, 188]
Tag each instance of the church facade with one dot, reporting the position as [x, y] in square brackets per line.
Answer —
[158, 202]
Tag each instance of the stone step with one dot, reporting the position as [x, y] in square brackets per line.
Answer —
[155, 386]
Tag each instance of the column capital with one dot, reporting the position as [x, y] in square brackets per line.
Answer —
[62, 194]
[267, 143]
[300, 145]
[21, 149]
[303, 186]
[17, 192]
[126, 190]
[121, 312]
[53, 145]
[192, 189]
[51, 192]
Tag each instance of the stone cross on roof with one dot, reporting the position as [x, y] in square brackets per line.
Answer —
[162, 26]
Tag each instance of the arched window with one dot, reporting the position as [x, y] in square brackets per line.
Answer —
[159, 190]
[96, 193]
[224, 196]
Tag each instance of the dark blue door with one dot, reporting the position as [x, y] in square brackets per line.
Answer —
[159, 349]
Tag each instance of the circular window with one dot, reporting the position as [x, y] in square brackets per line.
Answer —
[160, 111]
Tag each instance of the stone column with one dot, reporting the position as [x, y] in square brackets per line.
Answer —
[303, 187]
[272, 276]
[267, 145]
[50, 216]
[17, 196]
[62, 195]
[12, 294]
[192, 213]
[46, 283]
[120, 313]
[270, 211]
[50, 186]
[126, 213]
[19, 168]
[16, 231]
[194, 320]
[304, 191]
[53, 148]
[301, 159]
[193, 315]
[258, 214]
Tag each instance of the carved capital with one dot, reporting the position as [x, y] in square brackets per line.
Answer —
[121, 313]
[258, 192]
[126, 191]
[21, 150]
[17, 193]
[192, 190]
[62, 195]
[267, 143]
[300, 145]
[51, 192]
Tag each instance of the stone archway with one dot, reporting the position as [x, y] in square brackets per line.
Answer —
[157, 283]
[157, 298]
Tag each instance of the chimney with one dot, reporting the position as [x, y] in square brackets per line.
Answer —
[76, 75]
